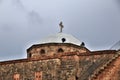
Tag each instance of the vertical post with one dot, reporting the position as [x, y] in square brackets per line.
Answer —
[61, 27]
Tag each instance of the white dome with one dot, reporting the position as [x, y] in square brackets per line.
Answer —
[61, 38]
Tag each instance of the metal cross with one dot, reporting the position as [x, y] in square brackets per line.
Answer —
[61, 27]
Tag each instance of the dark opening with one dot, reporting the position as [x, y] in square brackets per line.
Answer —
[60, 50]
[82, 44]
[63, 40]
[42, 51]
[76, 78]
[29, 55]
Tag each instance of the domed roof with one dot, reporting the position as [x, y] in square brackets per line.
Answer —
[61, 38]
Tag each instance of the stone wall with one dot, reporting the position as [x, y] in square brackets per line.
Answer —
[53, 48]
[112, 71]
[64, 66]
[52, 69]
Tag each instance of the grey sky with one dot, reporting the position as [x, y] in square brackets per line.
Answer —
[24, 22]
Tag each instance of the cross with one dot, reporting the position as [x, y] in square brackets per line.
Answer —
[61, 27]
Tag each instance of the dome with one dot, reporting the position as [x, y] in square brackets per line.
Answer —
[61, 38]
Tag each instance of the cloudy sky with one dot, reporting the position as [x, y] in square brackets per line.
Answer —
[26, 22]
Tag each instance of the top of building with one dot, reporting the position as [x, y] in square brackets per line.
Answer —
[61, 38]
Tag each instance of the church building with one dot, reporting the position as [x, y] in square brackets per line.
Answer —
[63, 57]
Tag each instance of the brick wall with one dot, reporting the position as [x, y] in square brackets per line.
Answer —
[49, 49]
[112, 71]
[52, 69]
[64, 66]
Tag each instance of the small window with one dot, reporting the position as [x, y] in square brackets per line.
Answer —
[60, 50]
[82, 44]
[38, 75]
[42, 51]
[63, 40]
[29, 55]
[16, 77]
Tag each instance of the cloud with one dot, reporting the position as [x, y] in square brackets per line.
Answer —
[0, 1]
[19, 5]
[116, 46]
[6, 28]
[34, 18]
[118, 3]
[13, 14]
[15, 23]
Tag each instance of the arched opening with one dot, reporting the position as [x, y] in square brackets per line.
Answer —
[29, 55]
[60, 50]
[42, 51]
[82, 44]
[63, 40]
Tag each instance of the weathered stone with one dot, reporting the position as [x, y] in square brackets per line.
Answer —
[64, 66]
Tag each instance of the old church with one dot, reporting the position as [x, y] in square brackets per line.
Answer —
[63, 57]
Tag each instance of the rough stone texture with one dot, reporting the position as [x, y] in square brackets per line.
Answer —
[52, 49]
[28, 69]
[111, 72]
[63, 66]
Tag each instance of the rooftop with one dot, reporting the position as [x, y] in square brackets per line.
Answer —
[61, 38]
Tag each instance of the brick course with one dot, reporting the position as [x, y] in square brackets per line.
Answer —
[63, 66]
